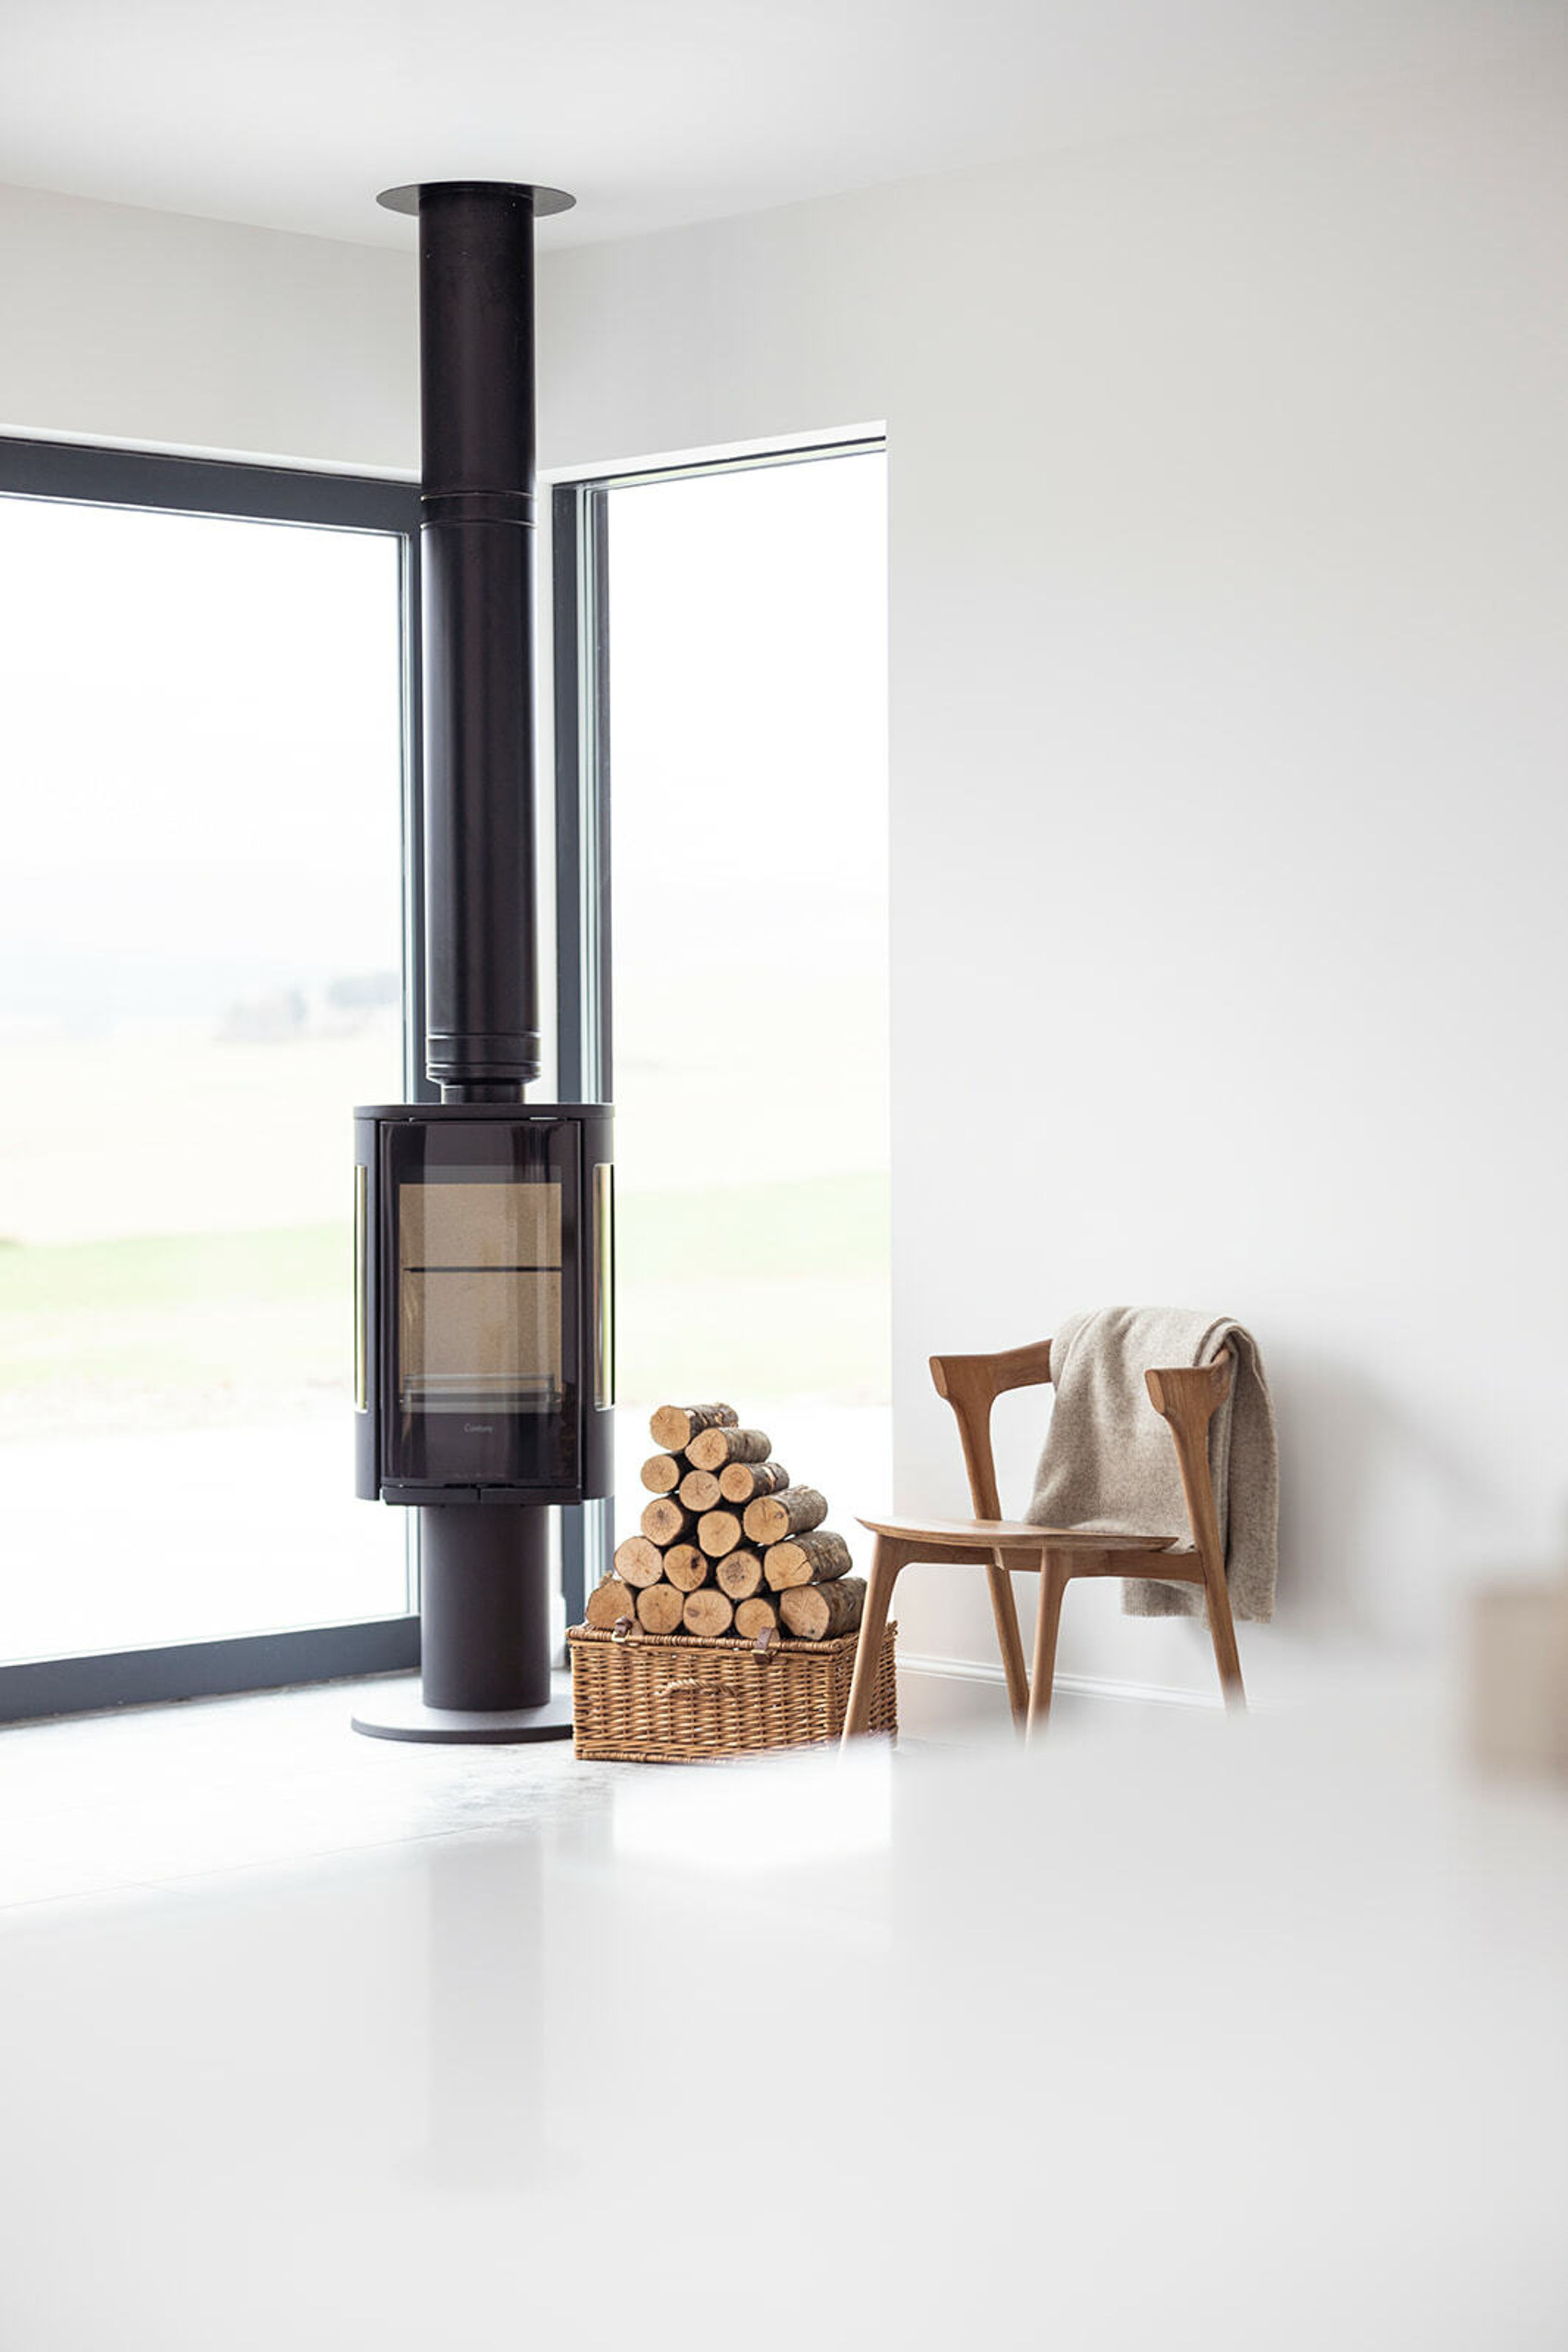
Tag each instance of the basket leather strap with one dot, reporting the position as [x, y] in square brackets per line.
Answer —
[764, 1650]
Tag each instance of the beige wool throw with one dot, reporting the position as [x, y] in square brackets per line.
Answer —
[1109, 1461]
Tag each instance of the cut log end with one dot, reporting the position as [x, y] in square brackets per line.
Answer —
[821, 1612]
[638, 1561]
[718, 1532]
[659, 1609]
[757, 1616]
[740, 1574]
[712, 1448]
[772, 1517]
[699, 1491]
[817, 1556]
[665, 1522]
[686, 1567]
[674, 1427]
[709, 1612]
[661, 1473]
[741, 1482]
[607, 1603]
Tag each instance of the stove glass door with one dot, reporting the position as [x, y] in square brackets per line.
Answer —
[484, 1353]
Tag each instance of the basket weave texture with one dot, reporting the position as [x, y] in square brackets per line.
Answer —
[682, 1698]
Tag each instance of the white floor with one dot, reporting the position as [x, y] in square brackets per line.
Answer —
[1177, 2033]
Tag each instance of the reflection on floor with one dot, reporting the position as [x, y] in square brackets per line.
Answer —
[1232, 2032]
[161, 1801]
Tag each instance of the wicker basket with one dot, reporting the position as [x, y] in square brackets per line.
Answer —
[682, 1698]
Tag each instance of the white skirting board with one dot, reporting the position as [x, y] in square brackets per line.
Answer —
[956, 1694]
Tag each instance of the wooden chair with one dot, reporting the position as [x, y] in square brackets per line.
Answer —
[1186, 1397]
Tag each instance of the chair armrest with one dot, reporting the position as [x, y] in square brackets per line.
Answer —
[1196, 1390]
[991, 1376]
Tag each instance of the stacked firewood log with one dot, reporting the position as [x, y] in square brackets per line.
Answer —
[728, 1544]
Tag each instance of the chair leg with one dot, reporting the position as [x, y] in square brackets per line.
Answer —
[1222, 1633]
[1004, 1609]
[886, 1560]
[1054, 1572]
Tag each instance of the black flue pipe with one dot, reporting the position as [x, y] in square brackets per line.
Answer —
[484, 1639]
[476, 402]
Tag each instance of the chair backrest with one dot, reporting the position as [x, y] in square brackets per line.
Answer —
[971, 1385]
[1185, 1396]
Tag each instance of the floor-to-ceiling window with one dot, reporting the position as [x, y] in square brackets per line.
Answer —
[202, 969]
[729, 625]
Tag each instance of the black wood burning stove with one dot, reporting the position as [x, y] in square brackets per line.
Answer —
[483, 1359]
[484, 1267]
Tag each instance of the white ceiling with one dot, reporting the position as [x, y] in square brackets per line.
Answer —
[292, 113]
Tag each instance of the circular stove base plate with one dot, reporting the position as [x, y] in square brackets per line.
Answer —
[402, 1713]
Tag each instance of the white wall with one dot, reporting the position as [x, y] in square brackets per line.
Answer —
[1228, 561]
[119, 324]
[1226, 574]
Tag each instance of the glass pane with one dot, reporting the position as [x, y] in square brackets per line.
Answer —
[749, 690]
[484, 1379]
[479, 1307]
[200, 974]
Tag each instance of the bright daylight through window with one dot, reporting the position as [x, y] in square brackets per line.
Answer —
[200, 974]
[747, 615]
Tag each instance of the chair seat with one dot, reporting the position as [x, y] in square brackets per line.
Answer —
[1010, 1534]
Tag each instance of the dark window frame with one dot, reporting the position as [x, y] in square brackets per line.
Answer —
[67, 472]
[580, 680]
[579, 563]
